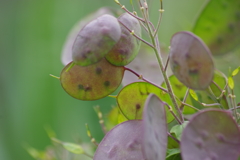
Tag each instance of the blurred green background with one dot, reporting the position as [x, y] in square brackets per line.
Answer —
[32, 33]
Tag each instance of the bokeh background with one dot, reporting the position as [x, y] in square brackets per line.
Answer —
[32, 33]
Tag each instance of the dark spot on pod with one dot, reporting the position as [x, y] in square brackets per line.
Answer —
[204, 135]
[237, 15]
[219, 40]
[213, 156]
[138, 106]
[199, 143]
[98, 70]
[188, 56]
[88, 88]
[231, 27]
[156, 136]
[220, 137]
[175, 65]
[106, 83]
[193, 71]
[80, 87]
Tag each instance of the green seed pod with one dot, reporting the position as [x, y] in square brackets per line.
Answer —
[91, 82]
[191, 61]
[128, 46]
[95, 40]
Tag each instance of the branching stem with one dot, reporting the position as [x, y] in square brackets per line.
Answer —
[144, 79]
[159, 58]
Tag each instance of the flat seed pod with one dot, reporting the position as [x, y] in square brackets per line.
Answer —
[128, 46]
[72, 35]
[211, 135]
[155, 129]
[191, 61]
[123, 142]
[219, 25]
[91, 82]
[131, 99]
[95, 40]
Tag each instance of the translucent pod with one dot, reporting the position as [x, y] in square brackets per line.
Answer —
[191, 61]
[128, 46]
[219, 25]
[211, 134]
[91, 82]
[66, 56]
[155, 129]
[95, 40]
[124, 141]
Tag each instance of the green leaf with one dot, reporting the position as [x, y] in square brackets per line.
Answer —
[230, 82]
[235, 72]
[74, 148]
[193, 94]
[178, 129]
[172, 153]
[219, 25]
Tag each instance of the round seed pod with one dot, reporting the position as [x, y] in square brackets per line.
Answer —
[128, 46]
[191, 61]
[91, 82]
[95, 40]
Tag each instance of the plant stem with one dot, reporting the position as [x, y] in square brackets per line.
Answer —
[159, 58]
[144, 79]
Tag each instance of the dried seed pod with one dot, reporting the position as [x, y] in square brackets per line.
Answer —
[95, 40]
[128, 46]
[191, 61]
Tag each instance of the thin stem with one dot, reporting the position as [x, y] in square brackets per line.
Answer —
[169, 134]
[124, 8]
[159, 20]
[88, 155]
[191, 106]
[101, 121]
[139, 38]
[54, 76]
[210, 105]
[159, 58]
[184, 99]
[90, 135]
[233, 97]
[174, 115]
[144, 79]
[166, 65]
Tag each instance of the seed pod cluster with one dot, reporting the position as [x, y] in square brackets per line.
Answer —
[100, 50]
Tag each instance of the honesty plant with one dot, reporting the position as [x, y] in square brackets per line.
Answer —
[192, 114]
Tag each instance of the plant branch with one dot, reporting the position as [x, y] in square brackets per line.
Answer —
[139, 38]
[169, 134]
[161, 10]
[159, 58]
[144, 79]
[124, 8]
[184, 99]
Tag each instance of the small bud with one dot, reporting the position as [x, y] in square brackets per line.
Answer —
[123, 7]
[117, 1]
[142, 8]
[132, 32]
[161, 10]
